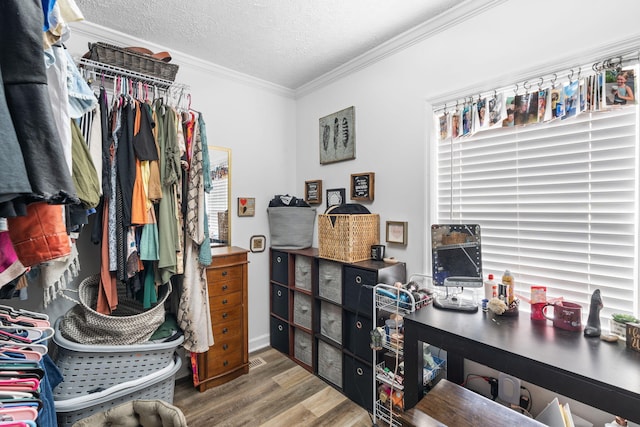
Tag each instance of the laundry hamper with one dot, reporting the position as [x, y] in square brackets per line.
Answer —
[159, 385]
[87, 368]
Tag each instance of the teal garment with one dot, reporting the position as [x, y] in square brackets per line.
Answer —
[204, 255]
[149, 294]
[149, 243]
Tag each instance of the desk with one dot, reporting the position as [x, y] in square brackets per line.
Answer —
[456, 406]
[603, 375]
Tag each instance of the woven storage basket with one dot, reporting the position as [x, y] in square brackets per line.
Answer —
[140, 63]
[130, 323]
[347, 238]
[159, 385]
[291, 227]
[89, 368]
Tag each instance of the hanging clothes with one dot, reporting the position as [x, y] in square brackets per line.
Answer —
[25, 86]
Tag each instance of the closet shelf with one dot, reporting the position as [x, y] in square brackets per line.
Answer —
[113, 71]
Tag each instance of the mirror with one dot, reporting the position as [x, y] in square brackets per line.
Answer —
[219, 199]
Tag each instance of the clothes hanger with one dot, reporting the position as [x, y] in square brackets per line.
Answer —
[13, 312]
[39, 348]
[24, 321]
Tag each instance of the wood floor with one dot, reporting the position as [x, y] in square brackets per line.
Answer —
[274, 394]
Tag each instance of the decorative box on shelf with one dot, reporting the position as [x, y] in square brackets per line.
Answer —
[633, 336]
[347, 238]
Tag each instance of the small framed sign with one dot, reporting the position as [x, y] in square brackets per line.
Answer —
[362, 186]
[246, 206]
[257, 243]
[313, 192]
[397, 232]
[335, 196]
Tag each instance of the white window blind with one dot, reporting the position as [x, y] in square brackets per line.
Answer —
[557, 203]
[216, 201]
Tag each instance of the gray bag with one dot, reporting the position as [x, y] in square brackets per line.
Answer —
[291, 227]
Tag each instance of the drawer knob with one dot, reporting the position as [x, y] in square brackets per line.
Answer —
[225, 346]
[279, 293]
[225, 363]
[358, 280]
[225, 301]
[224, 315]
[280, 328]
[225, 287]
[359, 371]
[225, 330]
[224, 273]
[359, 324]
[279, 259]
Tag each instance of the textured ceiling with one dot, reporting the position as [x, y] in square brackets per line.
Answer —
[284, 42]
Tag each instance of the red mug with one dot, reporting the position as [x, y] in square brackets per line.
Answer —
[566, 315]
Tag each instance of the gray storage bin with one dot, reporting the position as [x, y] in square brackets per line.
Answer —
[330, 363]
[330, 280]
[291, 227]
[302, 346]
[331, 321]
[302, 310]
[303, 272]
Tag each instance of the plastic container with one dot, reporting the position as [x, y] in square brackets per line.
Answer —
[507, 280]
[158, 386]
[490, 288]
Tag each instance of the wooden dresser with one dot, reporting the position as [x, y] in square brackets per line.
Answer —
[228, 358]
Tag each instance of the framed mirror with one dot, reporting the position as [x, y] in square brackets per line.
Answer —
[219, 199]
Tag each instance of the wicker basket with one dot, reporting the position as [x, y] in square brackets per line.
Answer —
[347, 238]
[140, 63]
[129, 323]
[159, 385]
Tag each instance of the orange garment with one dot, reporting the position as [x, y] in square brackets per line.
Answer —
[139, 200]
[107, 289]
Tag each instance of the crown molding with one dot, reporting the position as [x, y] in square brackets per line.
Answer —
[452, 17]
[117, 38]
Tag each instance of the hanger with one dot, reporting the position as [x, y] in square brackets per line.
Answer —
[39, 348]
[13, 312]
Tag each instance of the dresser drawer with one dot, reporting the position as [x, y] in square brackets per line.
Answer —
[226, 313]
[225, 301]
[280, 301]
[280, 267]
[330, 363]
[330, 280]
[224, 355]
[279, 335]
[302, 309]
[358, 382]
[331, 321]
[303, 272]
[302, 346]
[224, 280]
[227, 330]
[357, 338]
[358, 297]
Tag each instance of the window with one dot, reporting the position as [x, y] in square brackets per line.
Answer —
[557, 203]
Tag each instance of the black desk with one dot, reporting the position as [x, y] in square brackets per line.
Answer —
[603, 375]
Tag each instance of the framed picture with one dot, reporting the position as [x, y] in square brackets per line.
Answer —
[362, 186]
[246, 206]
[257, 243]
[313, 192]
[335, 196]
[338, 136]
[397, 232]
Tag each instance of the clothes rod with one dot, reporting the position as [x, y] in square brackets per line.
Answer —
[113, 71]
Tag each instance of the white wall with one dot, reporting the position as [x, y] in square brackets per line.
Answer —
[391, 96]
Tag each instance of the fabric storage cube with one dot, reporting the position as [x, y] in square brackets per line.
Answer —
[347, 238]
[291, 227]
[302, 310]
[302, 344]
[303, 272]
[358, 382]
[330, 363]
[330, 280]
[280, 301]
[357, 335]
[358, 297]
[279, 335]
[331, 321]
[280, 267]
